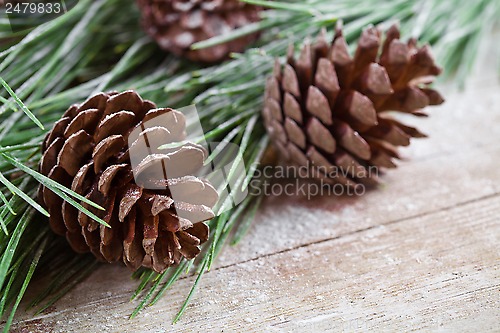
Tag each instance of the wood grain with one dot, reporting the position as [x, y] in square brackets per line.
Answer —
[421, 253]
[438, 272]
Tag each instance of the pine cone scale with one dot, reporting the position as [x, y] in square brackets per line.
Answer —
[320, 136]
[78, 241]
[317, 105]
[291, 109]
[86, 120]
[74, 150]
[326, 80]
[68, 213]
[358, 110]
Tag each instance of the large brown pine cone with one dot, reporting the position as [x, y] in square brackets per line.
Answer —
[328, 110]
[178, 24]
[87, 150]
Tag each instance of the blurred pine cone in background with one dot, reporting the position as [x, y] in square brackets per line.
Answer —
[88, 151]
[178, 24]
[328, 110]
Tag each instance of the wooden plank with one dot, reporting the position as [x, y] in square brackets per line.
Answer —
[436, 272]
[415, 189]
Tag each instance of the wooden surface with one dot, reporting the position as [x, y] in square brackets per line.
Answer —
[421, 253]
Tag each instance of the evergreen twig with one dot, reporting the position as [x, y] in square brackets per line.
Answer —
[98, 45]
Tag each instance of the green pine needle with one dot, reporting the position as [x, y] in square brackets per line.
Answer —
[244, 31]
[7, 204]
[55, 187]
[8, 255]
[184, 306]
[146, 277]
[286, 6]
[26, 282]
[21, 104]
[3, 226]
[49, 183]
[173, 277]
[246, 222]
[23, 195]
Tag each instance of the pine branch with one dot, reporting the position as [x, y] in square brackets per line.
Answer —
[64, 61]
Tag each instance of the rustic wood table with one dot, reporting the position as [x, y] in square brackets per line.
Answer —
[421, 253]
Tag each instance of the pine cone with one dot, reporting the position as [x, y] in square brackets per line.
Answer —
[178, 24]
[87, 151]
[329, 111]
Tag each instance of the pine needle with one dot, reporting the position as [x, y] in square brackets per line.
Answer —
[56, 188]
[12, 245]
[247, 221]
[146, 277]
[27, 280]
[184, 306]
[21, 104]
[23, 195]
